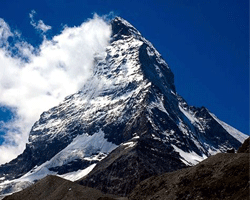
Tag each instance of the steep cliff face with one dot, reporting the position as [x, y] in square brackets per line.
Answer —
[130, 99]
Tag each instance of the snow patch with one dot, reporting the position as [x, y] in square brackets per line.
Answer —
[81, 147]
[158, 104]
[190, 116]
[92, 147]
[129, 144]
[189, 158]
[241, 137]
[184, 129]
[73, 176]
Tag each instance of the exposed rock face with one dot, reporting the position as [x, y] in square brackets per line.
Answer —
[245, 147]
[222, 176]
[130, 96]
[131, 163]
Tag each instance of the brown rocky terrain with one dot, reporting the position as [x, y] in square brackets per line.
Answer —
[244, 148]
[56, 188]
[222, 176]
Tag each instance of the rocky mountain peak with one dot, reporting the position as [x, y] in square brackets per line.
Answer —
[127, 114]
[122, 28]
[152, 65]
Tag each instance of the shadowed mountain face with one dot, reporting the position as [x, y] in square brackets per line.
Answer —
[126, 166]
[128, 114]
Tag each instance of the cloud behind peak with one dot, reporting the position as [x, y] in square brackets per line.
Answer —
[49, 72]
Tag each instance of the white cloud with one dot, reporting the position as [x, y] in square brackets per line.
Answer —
[59, 68]
[40, 26]
[5, 32]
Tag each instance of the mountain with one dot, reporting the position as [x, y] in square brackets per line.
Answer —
[128, 115]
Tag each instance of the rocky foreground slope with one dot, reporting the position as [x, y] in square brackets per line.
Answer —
[56, 188]
[222, 176]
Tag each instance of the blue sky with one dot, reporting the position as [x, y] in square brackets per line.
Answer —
[205, 43]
